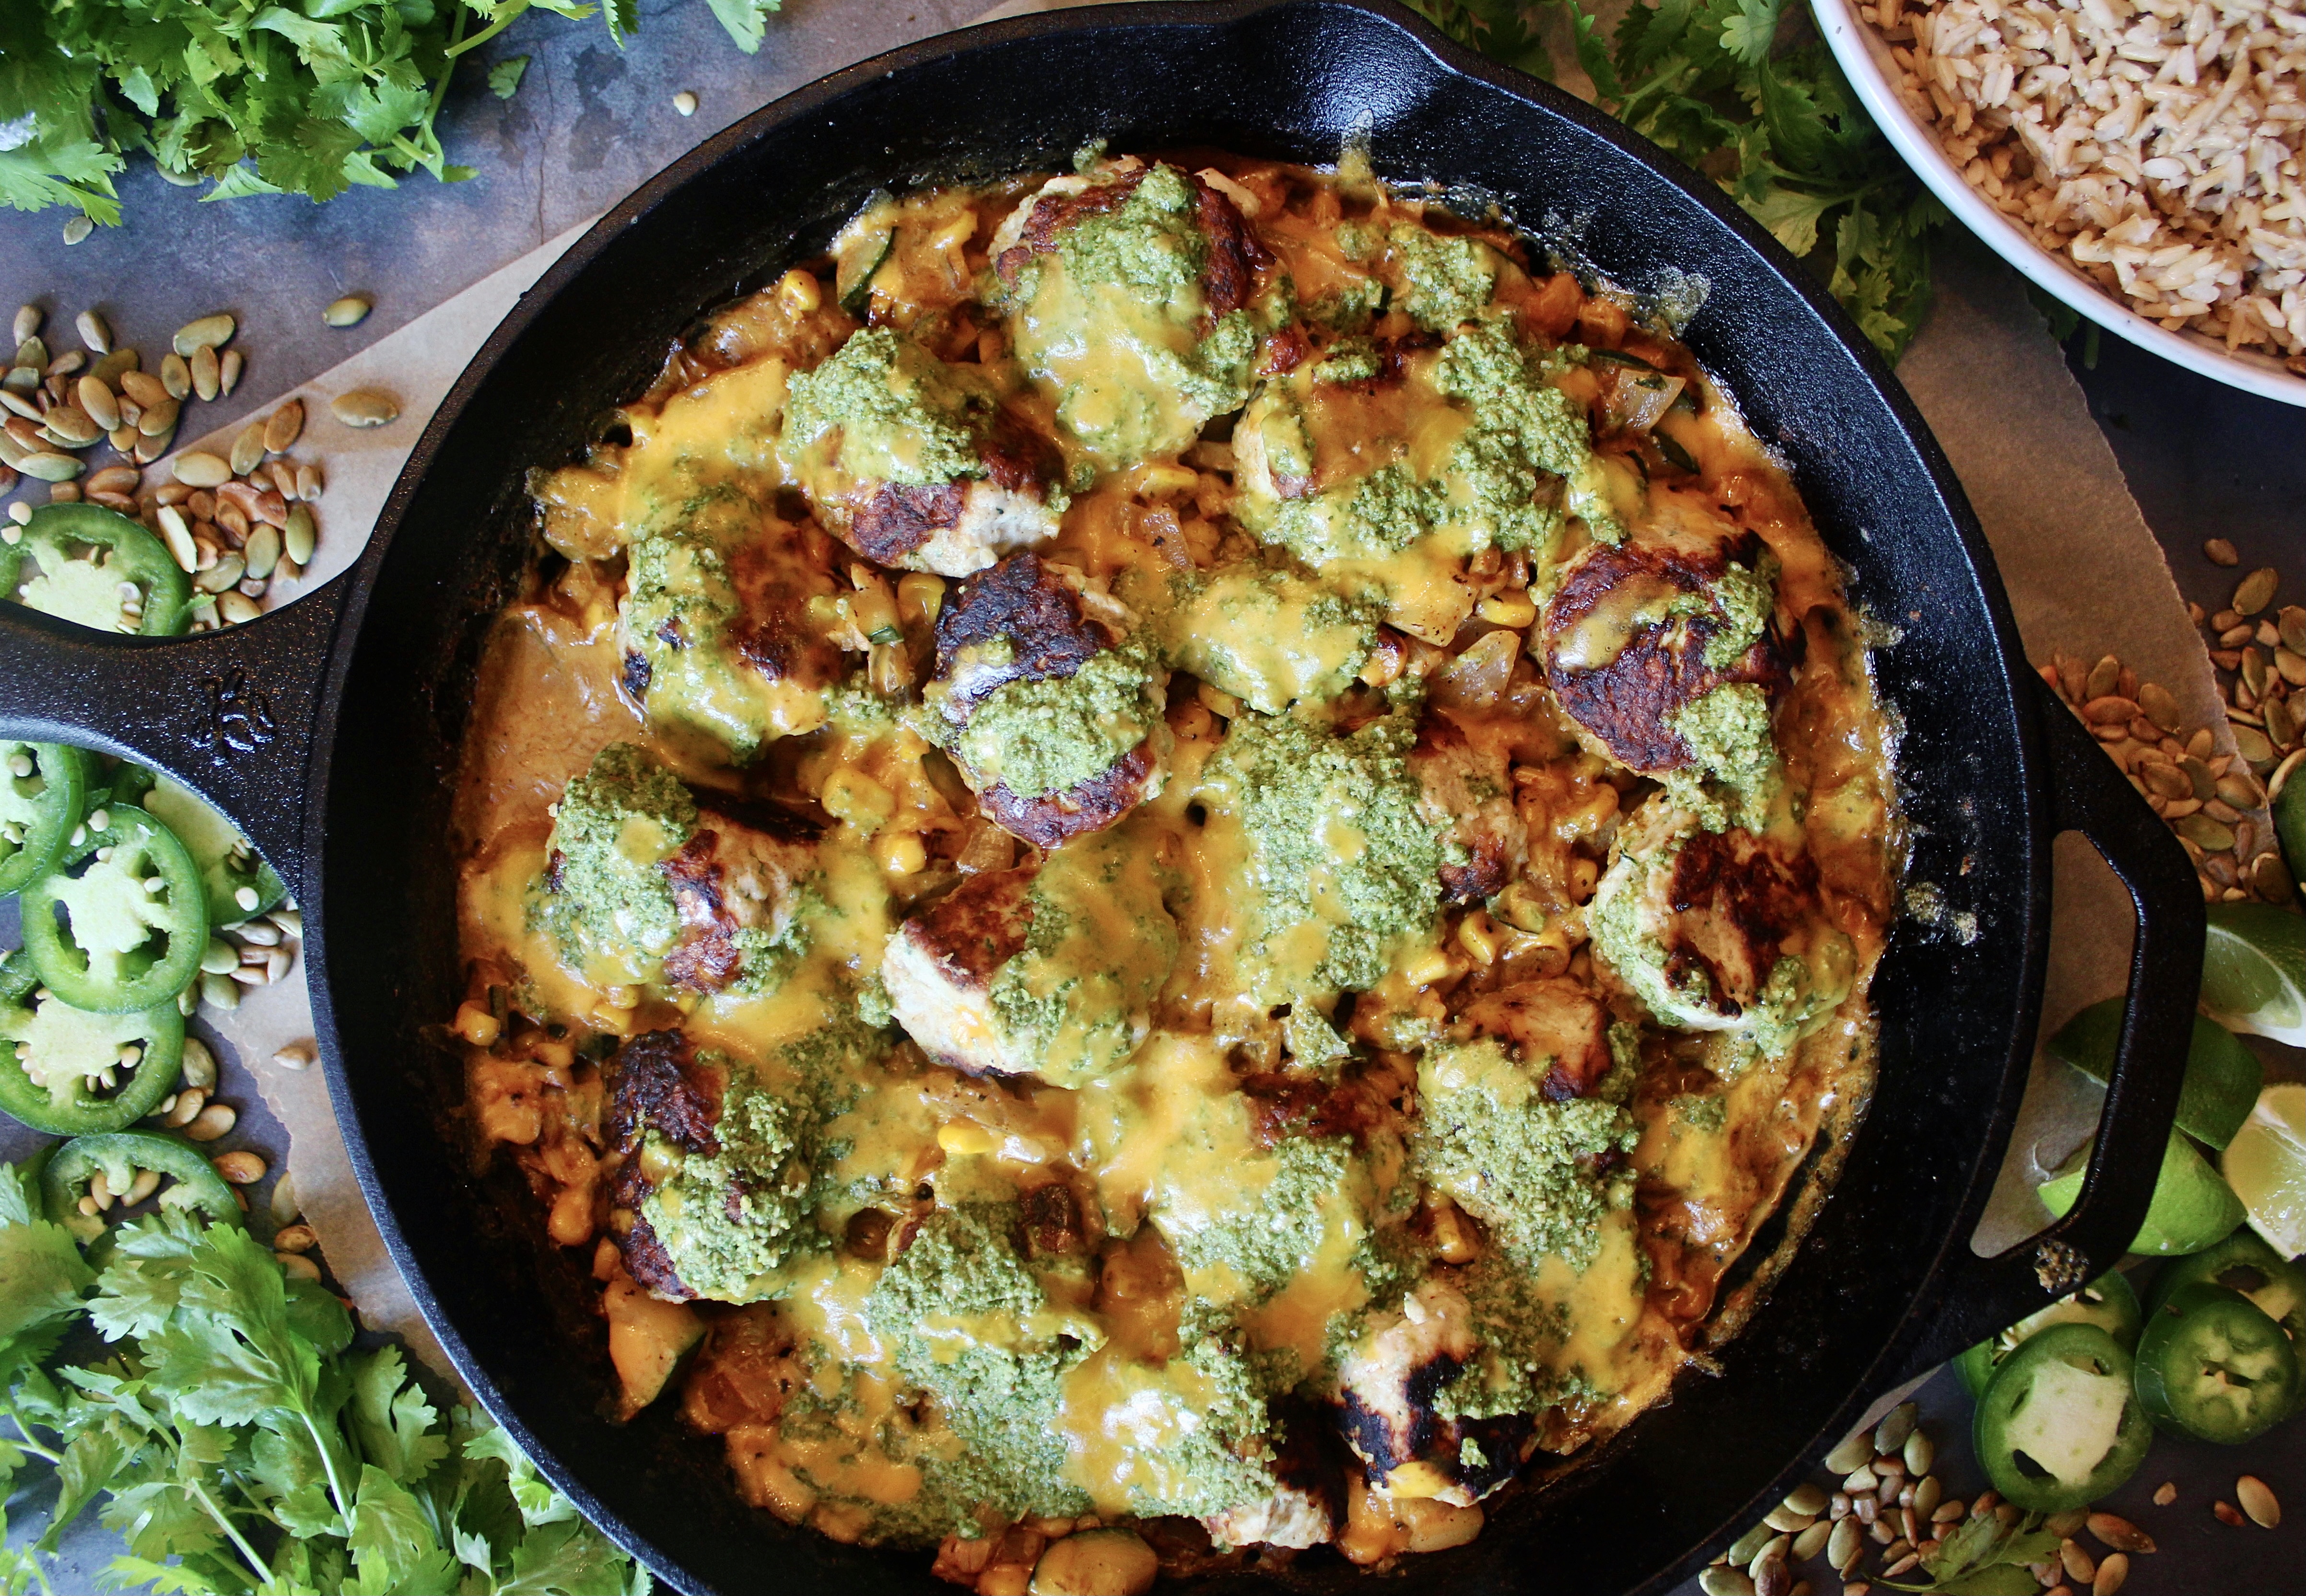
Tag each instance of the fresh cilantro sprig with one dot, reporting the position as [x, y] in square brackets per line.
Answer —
[237, 1442]
[251, 96]
[1985, 1556]
[1743, 91]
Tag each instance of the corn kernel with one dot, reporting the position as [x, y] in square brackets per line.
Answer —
[856, 797]
[920, 595]
[1479, 935]
[964, 1137]
[1515, 610]
[1220, 702]
[1417, 1480]
[1454, 1238]
[1429, 967]
[552, 1054]
[900, 853]
[798, 292]
[620, 1021]
[476, 1025]
[623, 997]
[1156, 480]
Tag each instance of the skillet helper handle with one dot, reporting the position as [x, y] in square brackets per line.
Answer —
[2088, 794]
[228, 713]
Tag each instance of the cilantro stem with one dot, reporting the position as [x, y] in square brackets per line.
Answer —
[329, 1463]
[247, 1553]
[487, 33]
[28, 1443]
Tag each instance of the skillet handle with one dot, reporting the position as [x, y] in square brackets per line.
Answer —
[229, 713]
[2089, 794]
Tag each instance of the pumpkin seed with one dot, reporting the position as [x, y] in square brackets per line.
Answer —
[202, 469]
[282, 428]
[2228, 1515]
[228, 569]
[28, 321]
[50, 467]
[2218, 551]
[175, 376]
[2253, 671]
[200, 1065]
[295, 1238]
[2240, 789]
[241, 1168]
[148, 450]
[2155, 702]
[236, 609]
[109, 368]
[2104, 678]
[72, 427]
[207, 332]
[2252, 746]
[297, 1265]
[350, 311]
[93, 332]
[248, 449]
[143, 388]
[2255, 591]
[1812, 1540]
[1926, 1496]
[178, 536]
[1845, 1546]
[1786, 1521]
[1717, 1580]
[220, 992]
[65, 364]
[76, 231]
[207, 381]
[2211, 836]
[2291, 625]
[309, 483]
[2269, 878]
[1919, 1454]
[228, 370]
[365, 407]
[213, 1123]
[282, 475]
[123, 437]
[285, 1206]
[2117, 1533]
[297, 540]
[2289, 665]
[114, 478]
[2111, 1575]
[97, 399]
[2166, 1493]
[2258, 1499]
[1748, 1546]
[1856, 1449]
[1890, 1435]
[32, 352]
[159, 419]
[262, 551]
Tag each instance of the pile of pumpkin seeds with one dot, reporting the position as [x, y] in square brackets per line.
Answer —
[1889, 1505]
[234, 524]
[2215, 802]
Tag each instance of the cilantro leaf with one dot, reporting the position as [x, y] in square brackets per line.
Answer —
[391, 1419]
[41, 1274]
[504, 76]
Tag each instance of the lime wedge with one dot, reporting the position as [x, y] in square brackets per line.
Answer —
[2254, 971]
[2266, 1166]
[2222, 1075]
[2192, 1208]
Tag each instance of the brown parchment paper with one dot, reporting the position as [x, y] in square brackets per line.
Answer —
[2083, 573]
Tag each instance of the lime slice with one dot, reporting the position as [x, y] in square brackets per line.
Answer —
[2266, 1166]
[2290, 824]
[2222, 1075]
[2192, 1208]
[2254, 971]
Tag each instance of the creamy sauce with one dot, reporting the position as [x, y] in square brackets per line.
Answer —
[1230, 1005]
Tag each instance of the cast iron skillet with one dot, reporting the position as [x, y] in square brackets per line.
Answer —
[331, 731]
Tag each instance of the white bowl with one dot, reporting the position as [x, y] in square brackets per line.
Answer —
[1866, 59]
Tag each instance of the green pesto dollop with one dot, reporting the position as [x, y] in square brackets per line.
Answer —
[1523, 426]
[1268, 636]
[1042, 737]
[1313, 1187]
[1113, 325]
[969, 1323]
[1488, 1136]
[1518, 1335]
[1336, 844]
[889, 411]
[1733, 772]
[732, 1223]
[613, 830]
[1447, 280]
[1072, 1002]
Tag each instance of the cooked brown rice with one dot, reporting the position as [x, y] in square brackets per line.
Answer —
[2156, 144]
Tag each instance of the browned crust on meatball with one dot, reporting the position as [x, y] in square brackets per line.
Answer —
[978, 927]
[1026, 602]
[655, 1084]
[1751, 891]
[1285, 1107]
[1090, 806]
[1017, 458]
[1630, 701]
[1385, 1441]
[1528, 1017]
[773, 589]
[647, 1261]
[1490, 829]
[1052, 214]
[1393, 362]
[1229, 281]
[898, 519]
